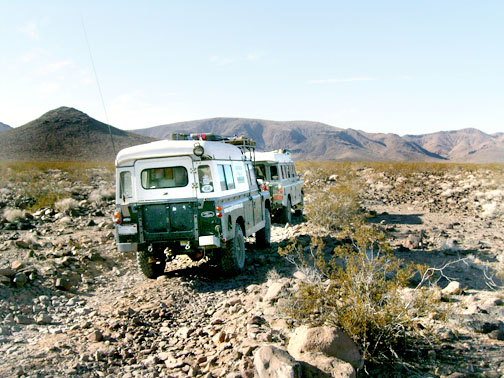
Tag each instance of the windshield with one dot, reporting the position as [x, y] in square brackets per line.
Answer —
[166, 177]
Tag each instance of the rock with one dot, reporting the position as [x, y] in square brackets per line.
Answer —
[4, 280]
[20, 279]
[43, 319]
[62, 284]
[95, 336]
[332, 366]
[272, 362]
[453, 288]
[22, 244]
[21, 319]
[482, 323]
[328, 340]
[412, 242]
[497, 334]
[7, 272]
[17, 265]
[275, 290]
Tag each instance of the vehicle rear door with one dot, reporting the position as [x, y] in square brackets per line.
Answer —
[167, 198]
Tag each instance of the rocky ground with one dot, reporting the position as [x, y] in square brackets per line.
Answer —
[71, 305]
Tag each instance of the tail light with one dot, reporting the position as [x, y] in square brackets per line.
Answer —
[218, 211]
[117, 217]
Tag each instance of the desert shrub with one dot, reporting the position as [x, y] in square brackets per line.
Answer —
[66, 204]
[13, 215]
[333, 206]
[102, 194]
[360, 287]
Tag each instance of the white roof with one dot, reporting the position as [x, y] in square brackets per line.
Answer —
[272, 156]
[168, 148]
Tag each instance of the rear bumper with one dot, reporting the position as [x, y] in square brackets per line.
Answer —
[209, 241]
[127, 247]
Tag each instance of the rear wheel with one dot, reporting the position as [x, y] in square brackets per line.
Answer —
[152, 264]
[263, 237]
[287, 212]
[233, 254]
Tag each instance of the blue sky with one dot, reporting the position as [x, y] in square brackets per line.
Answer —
[406, 67]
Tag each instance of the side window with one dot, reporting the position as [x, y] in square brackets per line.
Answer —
[274, 172]
[229, 177]
[252, 177]
[260, 171]
[226, 177]
[205, 179]
[125, 187]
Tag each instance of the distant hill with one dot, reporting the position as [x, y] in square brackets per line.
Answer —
[466, 145]
[65, 134]
[4, 127]
[306, 140]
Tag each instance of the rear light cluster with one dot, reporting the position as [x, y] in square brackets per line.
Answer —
[117, 217]
[219, 211]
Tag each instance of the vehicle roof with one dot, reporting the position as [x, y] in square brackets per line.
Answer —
[272, 156]
[169, 148]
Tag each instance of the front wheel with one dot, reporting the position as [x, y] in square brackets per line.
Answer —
[233, 254]
[150, 266]
[263, 237]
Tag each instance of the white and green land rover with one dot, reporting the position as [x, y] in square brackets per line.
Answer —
[276, 169]
[195, 194]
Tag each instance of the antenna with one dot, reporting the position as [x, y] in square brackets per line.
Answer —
[98, 84]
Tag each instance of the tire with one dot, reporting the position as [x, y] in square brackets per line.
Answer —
[287, 212]
[299, 210]
[263, 237]
[150, 269]
[233, 254]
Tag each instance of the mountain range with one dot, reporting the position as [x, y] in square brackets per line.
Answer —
[69, 134]
[4, 127]
[319, 141]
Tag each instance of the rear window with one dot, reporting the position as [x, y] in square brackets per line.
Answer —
[166, 177]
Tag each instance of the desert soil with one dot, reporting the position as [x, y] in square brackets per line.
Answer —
[70, 305]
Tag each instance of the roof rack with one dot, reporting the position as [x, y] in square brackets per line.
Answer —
[244, 143]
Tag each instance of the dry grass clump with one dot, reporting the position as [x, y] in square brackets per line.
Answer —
[13, 215]
[102, 194]
[65, 205]
[360, 287]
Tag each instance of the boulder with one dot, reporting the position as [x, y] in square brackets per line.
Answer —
[331, 341]
[453, 288]
[318, 364]
[272, 362]
[20, 279]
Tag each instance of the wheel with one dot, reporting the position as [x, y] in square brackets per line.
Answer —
[299, 210]
[150, 266]
[287, 212]
[233, 254]
[263, 237]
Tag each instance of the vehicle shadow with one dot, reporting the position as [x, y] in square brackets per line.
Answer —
[397, 218]
[206, 275]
